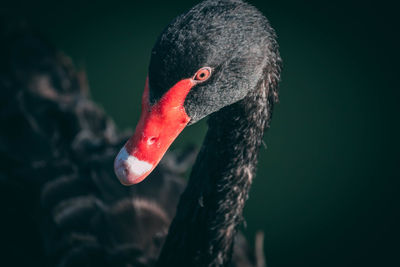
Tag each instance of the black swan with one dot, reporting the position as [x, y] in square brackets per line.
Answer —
[220, 59]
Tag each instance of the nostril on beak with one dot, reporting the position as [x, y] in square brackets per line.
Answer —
[151, 140]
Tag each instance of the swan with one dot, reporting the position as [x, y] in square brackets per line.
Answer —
[218, 60]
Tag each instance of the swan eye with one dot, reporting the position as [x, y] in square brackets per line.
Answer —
[202, 74]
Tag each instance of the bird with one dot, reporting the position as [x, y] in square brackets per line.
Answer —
[85, 203]
[221, 60]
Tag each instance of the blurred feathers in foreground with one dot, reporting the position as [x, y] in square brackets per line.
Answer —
[61, 203]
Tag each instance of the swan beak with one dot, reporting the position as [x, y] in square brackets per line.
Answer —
[158, 127]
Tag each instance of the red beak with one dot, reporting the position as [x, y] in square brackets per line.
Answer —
[158, 127]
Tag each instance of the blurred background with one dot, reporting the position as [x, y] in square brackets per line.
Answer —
[326, 187]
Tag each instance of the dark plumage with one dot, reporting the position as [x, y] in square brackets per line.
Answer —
[236, 41]
[61, 203]
[59, 147]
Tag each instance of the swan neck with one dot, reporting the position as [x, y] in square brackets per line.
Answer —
[211, 207]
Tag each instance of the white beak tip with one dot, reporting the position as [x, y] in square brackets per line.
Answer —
[129, 169]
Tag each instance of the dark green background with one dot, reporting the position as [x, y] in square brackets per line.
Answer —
[326, 186]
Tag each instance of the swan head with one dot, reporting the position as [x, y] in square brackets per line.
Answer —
[207, 58]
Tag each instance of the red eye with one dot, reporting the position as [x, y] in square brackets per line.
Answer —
[202, 74]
